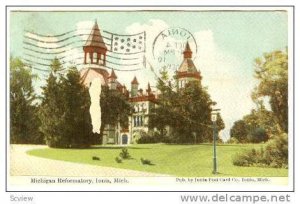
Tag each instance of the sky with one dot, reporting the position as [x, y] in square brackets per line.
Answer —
[227, 44]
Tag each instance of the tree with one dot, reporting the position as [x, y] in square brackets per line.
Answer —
[64, 113]
[239, 131]
[220, 122]
[52, 109]
[163, 115]
[258, 126]
[272, 72]
[24, 121]
[114, 108]
[187, 111]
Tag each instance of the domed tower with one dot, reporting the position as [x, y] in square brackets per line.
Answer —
[95, 48]
[187, 71]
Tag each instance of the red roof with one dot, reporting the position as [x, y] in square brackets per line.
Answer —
[113, 75]
[187, 53]
[95, 39]
[134, 81]
[151, 98]
[102, 72]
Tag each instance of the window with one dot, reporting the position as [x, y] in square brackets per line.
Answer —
[134, 121]
[94, 57]
[138, 121]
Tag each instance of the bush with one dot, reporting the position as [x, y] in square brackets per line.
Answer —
[96, 158]
[125, 154]
[146, 161]
[150, 139]
[247, 158]
[118, 160]
[257, 135]
[275, 154]
[233, 140]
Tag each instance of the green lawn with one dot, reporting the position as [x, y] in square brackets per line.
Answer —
[179, 160]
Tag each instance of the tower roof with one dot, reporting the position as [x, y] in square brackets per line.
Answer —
[187, 53]
[95, 38]
[134, 81]
[113, 75]
[187, 47]
[187, 65]
[149, 88]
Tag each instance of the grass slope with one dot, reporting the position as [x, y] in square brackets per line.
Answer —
[177, 160]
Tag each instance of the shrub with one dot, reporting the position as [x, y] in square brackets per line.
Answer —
[258, 135]
[146, 161]
[96, 158]
[125, 154]
[233, 140]
[118, 160]
[275, 154]
[149, 138]
[247, 158]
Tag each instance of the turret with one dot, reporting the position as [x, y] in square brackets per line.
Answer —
[112, 80]
[134, 87]
[95, 48]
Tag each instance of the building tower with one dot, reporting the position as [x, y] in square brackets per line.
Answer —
[134, 87]
[112, 81]
[187, 71]
[95, 48]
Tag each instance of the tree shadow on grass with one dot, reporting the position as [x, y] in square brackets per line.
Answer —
[117, 147]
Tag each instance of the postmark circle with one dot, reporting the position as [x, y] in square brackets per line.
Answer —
[168, 46]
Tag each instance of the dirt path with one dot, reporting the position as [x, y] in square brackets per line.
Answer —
[22, 164]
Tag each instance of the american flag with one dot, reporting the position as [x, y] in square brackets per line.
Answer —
[128, 44]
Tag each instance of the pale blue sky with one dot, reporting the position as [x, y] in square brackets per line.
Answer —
[229, 42]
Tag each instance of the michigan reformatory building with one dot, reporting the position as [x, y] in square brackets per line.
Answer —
[143, 102]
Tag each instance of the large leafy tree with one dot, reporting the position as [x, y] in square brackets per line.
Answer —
[64, 112]
[24, 122]
[186, 111]
[115, 108]
[239, 131]
[272, 73]
[258, 126]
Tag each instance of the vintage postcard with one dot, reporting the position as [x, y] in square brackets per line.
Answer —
[150, 99]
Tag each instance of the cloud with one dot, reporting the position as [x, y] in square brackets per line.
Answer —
[152, 28]
[83, 28]
[224, 75]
